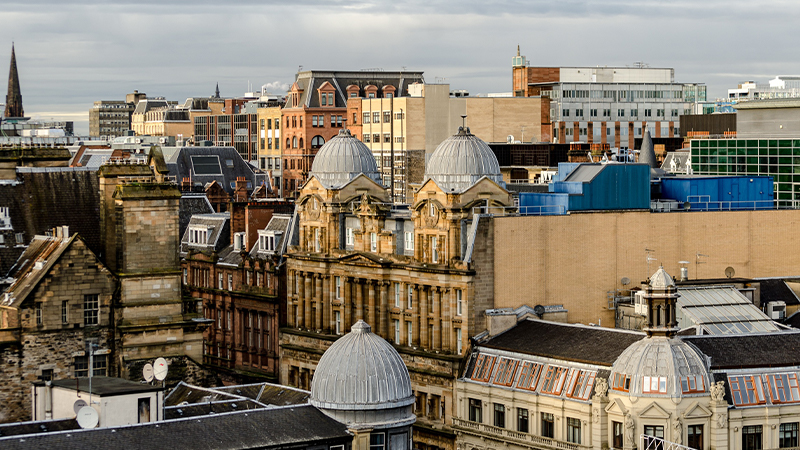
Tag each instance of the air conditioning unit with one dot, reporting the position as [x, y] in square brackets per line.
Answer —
[776, 310]
[639, 303]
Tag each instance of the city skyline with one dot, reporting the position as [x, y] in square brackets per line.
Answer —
[72, 55]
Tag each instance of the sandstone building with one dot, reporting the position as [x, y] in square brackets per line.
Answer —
[408, 271]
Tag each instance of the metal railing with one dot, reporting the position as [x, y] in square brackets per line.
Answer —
[544, 210]
[654, 443]
[503, 433]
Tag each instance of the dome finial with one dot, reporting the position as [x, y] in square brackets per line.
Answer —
[361, 327]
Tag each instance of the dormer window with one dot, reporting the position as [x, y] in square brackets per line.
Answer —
[268, 240]
[5, 217]
[198, 235]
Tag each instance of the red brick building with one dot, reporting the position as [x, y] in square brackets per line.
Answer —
[316, 109]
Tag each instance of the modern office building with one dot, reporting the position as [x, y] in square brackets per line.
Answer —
[611, 105]
[110, 118]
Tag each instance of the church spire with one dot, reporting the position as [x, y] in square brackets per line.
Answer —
[14, 97]
[216, 93]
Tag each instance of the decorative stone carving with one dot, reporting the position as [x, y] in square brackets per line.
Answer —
[601, 387]
[721, 419]
[677, 436]
[630, 425]
[596, 415]
[718, 391]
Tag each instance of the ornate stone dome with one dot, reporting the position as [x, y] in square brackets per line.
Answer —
[661, 279]
[664, 359]
[461, 160]
[362, 381]
[343, 158]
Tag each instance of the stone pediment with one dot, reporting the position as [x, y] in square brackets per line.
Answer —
[696, 411]
[616, 407]
[654, 411]
[365, 259]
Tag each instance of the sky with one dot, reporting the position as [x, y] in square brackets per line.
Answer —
[72, 53]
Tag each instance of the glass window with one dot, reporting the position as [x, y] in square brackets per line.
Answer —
[616, 429]
[459, 298]
[377, 441]
[387, 116]
[548, 425]
[409, 241]
[787, 435]
[553, 382]
[475, 410]
[529, 375]
[410, 334]
[573, 430]
[376, 117]
[434, 250]
[373, 242]
[499, 415]
[459, 343]
[505, 371]
[783, 387]
[410, 301]
[522, 420]
[656, 431]
[91, 309]
[65, 311]
[397, 295]
[396, 332]
[746, 390]
[365, 119]
[38, 313]
[338, 289]
[483, 368]
[694, 435]
[751, 437]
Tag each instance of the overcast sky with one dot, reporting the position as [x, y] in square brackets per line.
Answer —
[71, 53]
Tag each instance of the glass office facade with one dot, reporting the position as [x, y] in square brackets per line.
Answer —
[778, 158]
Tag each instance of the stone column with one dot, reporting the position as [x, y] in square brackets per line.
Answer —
[383, 311]
[424, 320]
[347, 304]
[718, 434]
[319, 301]
[307, 323]
[370, 316]
[445, 296]
[600, 431]
[359, 299]
[415, 315]
[436, 293]
[290, 295]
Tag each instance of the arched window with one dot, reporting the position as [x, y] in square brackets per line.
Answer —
[287, 143]
[294, 142]
[317, 141]
[301, 143]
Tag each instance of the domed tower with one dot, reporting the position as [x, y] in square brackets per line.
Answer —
[342, 159]
[461, 160]
[462, 175]
[656, 379]
[361, 381]
[344, 178]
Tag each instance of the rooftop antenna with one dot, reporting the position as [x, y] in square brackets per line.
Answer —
[649, 257]
[697, 261]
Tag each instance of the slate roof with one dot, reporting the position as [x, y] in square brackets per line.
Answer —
[41, 426]
[218, 238]
[762, 350]
[278, 222]
[191, 204]
[265, 428]
[43, 200]
[106, 386]
[774, 290]
[311, 80]
[578, 343]
[180, 165]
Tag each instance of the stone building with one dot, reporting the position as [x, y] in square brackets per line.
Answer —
[554, 386]
[58, 305]
[408, 271]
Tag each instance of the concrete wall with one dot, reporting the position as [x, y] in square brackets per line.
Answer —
[575, 260]
[772, 123]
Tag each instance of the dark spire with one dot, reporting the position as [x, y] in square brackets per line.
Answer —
[216, 93]
[14, 97]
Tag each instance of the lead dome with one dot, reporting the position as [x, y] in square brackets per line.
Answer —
[362, 381]
[342, 159]
[461, 160]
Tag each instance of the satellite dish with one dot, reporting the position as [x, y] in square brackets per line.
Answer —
[160, 369]
[147, 372]
[729, 272]
[80, 403]
[625, 281]
[88, 417]
[538, 310]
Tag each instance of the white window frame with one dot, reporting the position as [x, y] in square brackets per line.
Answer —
[349, 237]
[397, 331]
[409, 241]
[410, 302]
[220, 281]
[459, 300]
[397, 295]
[434, 249]
[230, 282]
[337, 319]
[317, 245]
[410, 329]
[337, 280]
[373, 242]
[198, 235]
[459, 345]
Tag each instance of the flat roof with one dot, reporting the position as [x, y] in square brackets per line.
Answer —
[106, 386]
